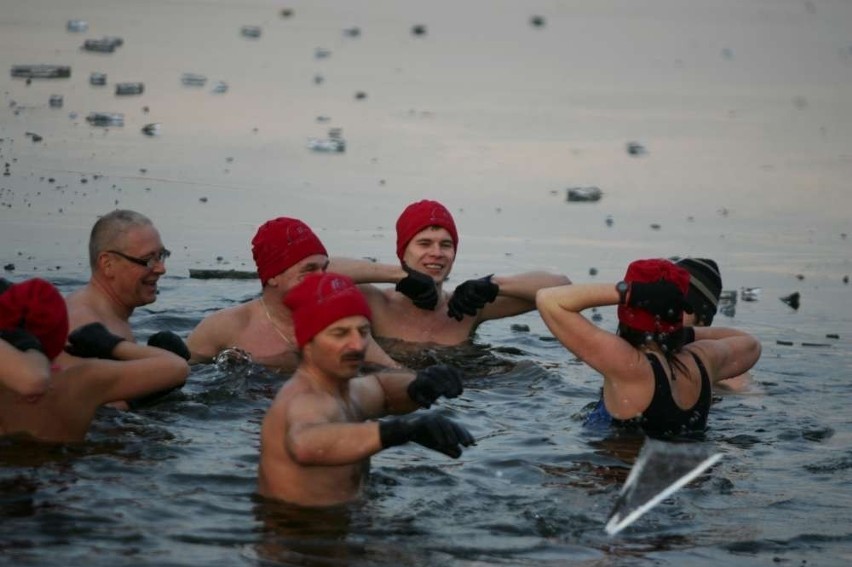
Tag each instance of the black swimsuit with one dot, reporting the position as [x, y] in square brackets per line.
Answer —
[663, 416]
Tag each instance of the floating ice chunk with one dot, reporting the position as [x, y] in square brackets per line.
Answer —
[103, 45]
[98, 79]
[105, 119]
[583, 194]
[56, 101]
[129, 88]
[152, 129]
[328, 145]
[252, 32]
[41, 71]
[750, 293]
[77, 25]
[219, 87]
[193, 80]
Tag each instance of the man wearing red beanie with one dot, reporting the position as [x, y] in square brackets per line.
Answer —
[285, 251]
[319, 433]
[52, 404]
[417, 309]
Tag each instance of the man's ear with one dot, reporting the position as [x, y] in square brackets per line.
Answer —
[105, 263]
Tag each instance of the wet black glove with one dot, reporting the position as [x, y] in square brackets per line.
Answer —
[664, 299]
[169, 341]
[418, 287]
[92, 341]
[433, 382]
[471, 296]
[21, 340]
[432, 431]
[4, 285]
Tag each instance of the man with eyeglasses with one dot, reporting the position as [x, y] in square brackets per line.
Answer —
[127, 259]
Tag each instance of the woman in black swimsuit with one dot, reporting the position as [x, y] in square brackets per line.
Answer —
[657, 374]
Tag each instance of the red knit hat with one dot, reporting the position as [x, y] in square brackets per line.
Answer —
[418, 216]
[37, 307]
[647, 271]
[280, 244]
[320, 300]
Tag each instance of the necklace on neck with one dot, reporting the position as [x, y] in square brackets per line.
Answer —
[272, 322]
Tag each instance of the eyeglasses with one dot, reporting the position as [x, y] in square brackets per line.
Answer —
[148, 262]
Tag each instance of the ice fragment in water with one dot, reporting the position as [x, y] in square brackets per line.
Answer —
[584, 194]
[250, 31]
[77, 25]
[41, 71]
[105, 119]
[193, 80]
[97, 79]
[56, 101]
[129, 88]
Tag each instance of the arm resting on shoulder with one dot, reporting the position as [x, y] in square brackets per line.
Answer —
[730, 352]
[137, 371]
[517, 293]
[365, 271]
[25, 373]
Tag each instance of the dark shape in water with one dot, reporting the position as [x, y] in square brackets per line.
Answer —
[583, 194]
[41, 71]
[593, 271]
[35, 137]
[203, 274]
[418, 29]
[105, 119]
[286, 12]
[55, 101]
[77, 26]
[252, 32]
[193, 80]
[537, 21]
[103, 45]
[520, 328]
[609, 220]
[97, 79]
[792, 300]
[9, 267]
[846, 279]
[800, 277]
[354, 31]
[636, 149]
[656, 226]
[122, 89]
[151, 129]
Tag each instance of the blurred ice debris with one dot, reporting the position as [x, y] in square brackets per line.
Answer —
[750, 293]
[105, 119]
[792, 300]
[152, 129]
[250, 31]
[193, 80]
[103, 45]
[587, 194]
[77, 25]
[334, 142]
[56, 101]
[97, 79]
[219, 87]
[122, 89]
[636, 149]
[41, 71]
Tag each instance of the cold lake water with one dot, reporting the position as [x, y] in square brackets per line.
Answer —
[742, 112]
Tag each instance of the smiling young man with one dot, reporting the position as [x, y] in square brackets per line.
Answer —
[320, 432]
[418, 310]
[285, 251]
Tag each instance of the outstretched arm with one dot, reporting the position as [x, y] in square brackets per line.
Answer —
[516, 294]
[366, 271]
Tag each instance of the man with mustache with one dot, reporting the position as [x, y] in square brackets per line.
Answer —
[319, 433]
[285, 251]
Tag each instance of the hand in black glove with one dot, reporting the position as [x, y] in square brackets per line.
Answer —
[663, 298]
[418, 287]
[432, 431]
[21, 340]
[471, 296]
[169, 341]
[433, 382]
[92, 341]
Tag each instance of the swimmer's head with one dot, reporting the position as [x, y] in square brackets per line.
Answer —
[320, 300]
[649, 271]
[705, 287]
[38, 308]
[418, 216]
[280, 243]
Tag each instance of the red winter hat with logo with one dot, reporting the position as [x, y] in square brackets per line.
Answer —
[320, 300]
[418, 216]
[281, 243]
[649, 271]
[37, 307]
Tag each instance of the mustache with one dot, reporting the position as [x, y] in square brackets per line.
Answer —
[353, 356]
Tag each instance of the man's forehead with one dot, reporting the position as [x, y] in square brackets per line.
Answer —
[433, 233]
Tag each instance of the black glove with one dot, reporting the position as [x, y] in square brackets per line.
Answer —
[169, 341]
[663, 298]
[4, 285]
[433, 382]
[418, 287]
[92, 341]
[21, 340]
[435, 432]
[471, 296]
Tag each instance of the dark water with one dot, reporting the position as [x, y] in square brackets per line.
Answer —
[174, 484]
